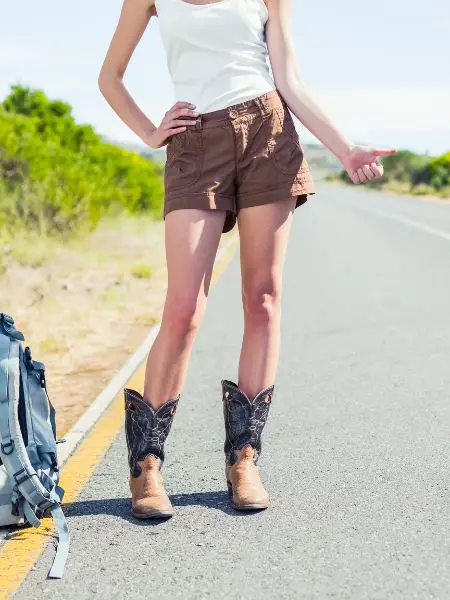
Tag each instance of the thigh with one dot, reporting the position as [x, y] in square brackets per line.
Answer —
[200, 170]
[264, 233]
[192, 237]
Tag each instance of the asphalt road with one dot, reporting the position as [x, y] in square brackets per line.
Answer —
[356, 449]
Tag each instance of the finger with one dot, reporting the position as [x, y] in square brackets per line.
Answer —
[181, 104]
[354, 177]
[377, 168]
[176, 130]
[368, 172]
[384, 151]
[361, 176]
[182, 112]
[178, 123]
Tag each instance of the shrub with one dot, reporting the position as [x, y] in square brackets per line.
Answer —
[436, 172]
[416, 173]
[57, 176]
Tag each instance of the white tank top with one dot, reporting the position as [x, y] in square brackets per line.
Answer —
[216, 53]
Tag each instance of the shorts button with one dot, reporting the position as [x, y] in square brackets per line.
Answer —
[233, 114]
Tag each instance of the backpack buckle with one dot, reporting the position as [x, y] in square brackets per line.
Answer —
[21, 476]
[34, 365]
[7, 448]
[28, 359]
[45, 504]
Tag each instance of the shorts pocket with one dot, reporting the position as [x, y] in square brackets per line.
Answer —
[184, 162]
[285, 146]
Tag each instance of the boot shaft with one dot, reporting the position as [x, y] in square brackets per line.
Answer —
[146, 428]
[244, 419]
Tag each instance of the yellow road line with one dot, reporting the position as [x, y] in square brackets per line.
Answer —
[221, 266]
[22, 550]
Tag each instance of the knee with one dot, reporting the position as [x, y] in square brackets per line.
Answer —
[183, 316]
[261, 300]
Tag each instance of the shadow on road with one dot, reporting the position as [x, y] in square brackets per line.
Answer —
[217, 500]
[120, 507]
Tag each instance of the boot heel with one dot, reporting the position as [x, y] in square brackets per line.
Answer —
[230, 489]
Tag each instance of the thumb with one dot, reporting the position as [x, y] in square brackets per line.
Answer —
[384, 151]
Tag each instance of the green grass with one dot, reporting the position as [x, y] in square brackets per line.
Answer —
[26, 248]
[141, 271]
[51, 345]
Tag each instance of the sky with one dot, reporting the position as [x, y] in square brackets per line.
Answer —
[380, 69]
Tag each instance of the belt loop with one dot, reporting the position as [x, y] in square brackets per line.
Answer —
[198, 124]
[260, 104]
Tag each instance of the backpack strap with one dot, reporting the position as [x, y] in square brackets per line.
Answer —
[15, 457]
[62, 552]
[29, 513]
[23, 473]
[7, 445]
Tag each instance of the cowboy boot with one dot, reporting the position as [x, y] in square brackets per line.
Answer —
[146, 431]
[244, 422]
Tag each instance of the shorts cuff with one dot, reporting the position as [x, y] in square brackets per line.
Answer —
[206, 201]
[275, 195]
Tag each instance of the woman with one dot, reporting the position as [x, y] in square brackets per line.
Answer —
[232, 154]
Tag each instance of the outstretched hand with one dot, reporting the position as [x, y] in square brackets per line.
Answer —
[362, 163]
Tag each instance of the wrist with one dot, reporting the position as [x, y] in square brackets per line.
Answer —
[344, 150]
[148, 134]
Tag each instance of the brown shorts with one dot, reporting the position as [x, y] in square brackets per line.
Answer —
[244, 155]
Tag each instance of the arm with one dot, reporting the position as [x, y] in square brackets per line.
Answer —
[360, 162]
[134, 18]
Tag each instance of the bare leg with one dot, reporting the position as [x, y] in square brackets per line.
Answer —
[192, 239]
[262, 261]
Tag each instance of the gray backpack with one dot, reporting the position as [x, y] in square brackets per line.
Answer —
[29, 473]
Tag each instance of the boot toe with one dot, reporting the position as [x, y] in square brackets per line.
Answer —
[248, 499]
[148, 509]
[248, 502]
[245, 486]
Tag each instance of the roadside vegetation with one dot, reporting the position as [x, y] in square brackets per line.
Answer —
[59, 178]
[409, 173]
